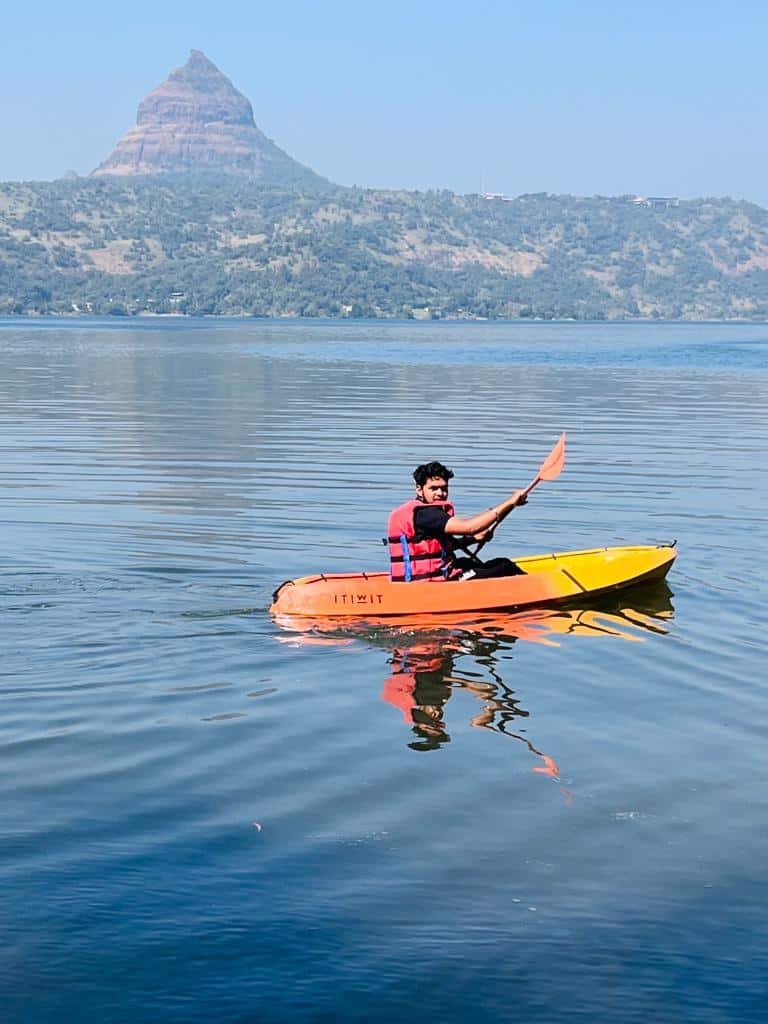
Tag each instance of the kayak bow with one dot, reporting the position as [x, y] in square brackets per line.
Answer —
[556, 578]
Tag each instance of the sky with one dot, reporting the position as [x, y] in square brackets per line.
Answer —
[590, 98]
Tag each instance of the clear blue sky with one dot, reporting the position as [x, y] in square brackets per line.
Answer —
[588, 98]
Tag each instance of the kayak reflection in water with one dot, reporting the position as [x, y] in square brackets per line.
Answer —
[424, 532]
[423, 652]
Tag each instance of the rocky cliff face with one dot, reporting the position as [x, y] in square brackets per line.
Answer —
[197, 122]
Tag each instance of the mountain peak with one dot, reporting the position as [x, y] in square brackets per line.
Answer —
[197, 122]
[197, 60]
[200, 71]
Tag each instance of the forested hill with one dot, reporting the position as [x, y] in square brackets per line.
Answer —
[225, 247]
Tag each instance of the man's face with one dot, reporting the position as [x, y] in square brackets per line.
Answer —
[435, 489]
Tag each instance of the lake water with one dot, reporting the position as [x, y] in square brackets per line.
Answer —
[207, 817]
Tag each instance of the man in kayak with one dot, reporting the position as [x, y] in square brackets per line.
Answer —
[422, 533]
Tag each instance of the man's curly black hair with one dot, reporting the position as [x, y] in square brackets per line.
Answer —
[429, 470]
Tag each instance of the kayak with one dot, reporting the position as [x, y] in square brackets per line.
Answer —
[627, 613]
[551, 579]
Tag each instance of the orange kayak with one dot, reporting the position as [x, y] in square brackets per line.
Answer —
[551, 579]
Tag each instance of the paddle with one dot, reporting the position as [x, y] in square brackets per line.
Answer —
[550, 469]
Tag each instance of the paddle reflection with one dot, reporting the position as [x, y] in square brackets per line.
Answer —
[431, 659]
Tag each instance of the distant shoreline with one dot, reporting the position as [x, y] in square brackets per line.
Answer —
[132, 318]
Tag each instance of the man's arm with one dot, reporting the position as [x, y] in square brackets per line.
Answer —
[484, 522]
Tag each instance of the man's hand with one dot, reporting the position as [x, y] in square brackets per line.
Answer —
[484, 536]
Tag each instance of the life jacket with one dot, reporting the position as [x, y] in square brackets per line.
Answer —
[416, 558]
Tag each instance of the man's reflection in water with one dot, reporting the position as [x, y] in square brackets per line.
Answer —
[419, 688]
[424, 676]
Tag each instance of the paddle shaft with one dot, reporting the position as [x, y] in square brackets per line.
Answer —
[527, 491]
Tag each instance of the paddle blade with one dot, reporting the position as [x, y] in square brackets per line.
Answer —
[552, 466]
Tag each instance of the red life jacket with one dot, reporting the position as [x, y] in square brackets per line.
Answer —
[411, 559]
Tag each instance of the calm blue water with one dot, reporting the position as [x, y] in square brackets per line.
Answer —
[205, 816]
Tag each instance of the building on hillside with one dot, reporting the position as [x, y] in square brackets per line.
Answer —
[659, 201]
